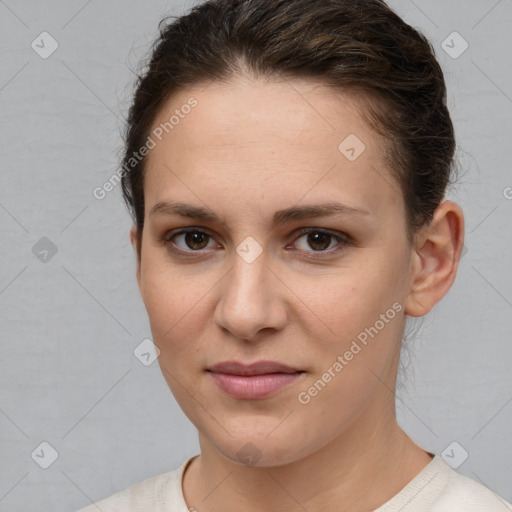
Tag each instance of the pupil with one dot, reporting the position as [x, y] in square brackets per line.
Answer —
[317, 238]
[194, 238]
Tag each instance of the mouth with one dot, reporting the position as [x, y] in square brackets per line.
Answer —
[253, 381]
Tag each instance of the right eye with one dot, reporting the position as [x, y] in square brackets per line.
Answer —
[190, 240]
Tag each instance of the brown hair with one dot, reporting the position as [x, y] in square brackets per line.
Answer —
[358, 45]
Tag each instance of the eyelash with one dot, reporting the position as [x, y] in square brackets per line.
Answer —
[342, 239]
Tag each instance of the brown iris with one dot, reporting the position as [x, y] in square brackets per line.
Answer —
[193, 239]
[319, 241]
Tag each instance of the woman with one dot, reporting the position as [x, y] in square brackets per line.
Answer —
[286, 165]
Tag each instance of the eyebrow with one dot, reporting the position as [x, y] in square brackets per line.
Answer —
[279, 217]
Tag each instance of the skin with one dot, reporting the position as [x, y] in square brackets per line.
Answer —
[248, 149]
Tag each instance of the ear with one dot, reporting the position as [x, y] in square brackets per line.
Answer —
[134, 242]
[435, 260]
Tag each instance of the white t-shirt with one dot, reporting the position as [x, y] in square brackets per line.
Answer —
[437, 488]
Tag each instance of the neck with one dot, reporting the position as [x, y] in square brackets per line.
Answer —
[359, 471]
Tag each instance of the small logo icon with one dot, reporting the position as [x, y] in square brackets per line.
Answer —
[44, 455]
[44, 45]
[44, 249]
[351, 147]
[249, 454]
[146, 352]
[454, 455]
[249, 250]
[454, 45]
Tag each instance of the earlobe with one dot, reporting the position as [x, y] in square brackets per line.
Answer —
[436, 258]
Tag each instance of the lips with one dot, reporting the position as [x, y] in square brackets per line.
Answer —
[258, 368]
[254, 381]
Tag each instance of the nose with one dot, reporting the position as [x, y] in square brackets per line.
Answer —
[251, 300]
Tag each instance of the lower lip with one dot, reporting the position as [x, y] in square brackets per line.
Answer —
[250, 387]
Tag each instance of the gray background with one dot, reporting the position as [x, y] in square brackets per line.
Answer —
[69, 322]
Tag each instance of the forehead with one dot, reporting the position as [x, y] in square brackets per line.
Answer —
[277, 139]
[246, 109]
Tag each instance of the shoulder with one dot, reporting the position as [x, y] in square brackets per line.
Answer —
[135, 498]
[467, 495]
[439, 488]
[156, 493]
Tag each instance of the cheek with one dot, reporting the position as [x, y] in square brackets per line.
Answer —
[363, 337]
[175, 316]
[356, 354]
[359, 318]
[345, 302]
[170, 298]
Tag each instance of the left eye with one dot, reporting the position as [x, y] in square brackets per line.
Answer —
[318, 240]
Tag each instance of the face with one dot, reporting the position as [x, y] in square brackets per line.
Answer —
[250, 268]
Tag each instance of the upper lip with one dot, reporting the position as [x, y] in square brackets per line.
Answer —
[257, 368]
